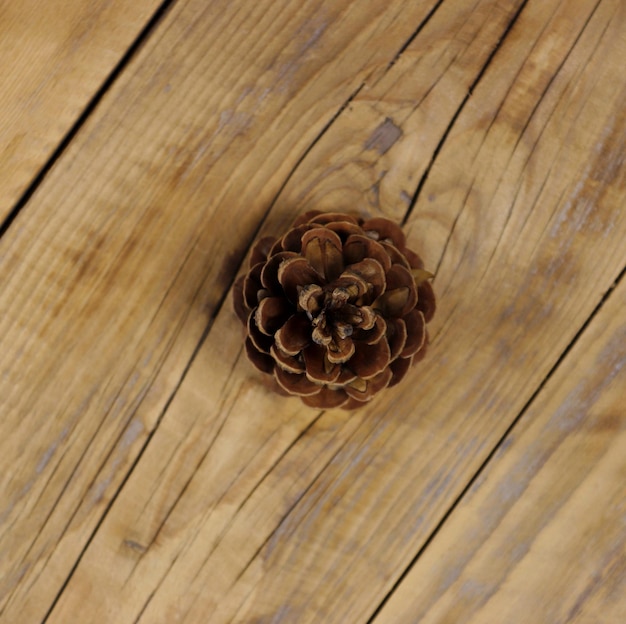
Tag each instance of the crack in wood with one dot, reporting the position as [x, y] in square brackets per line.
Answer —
[454, 118]
[500, 443]
[415, 33]
[139, 41]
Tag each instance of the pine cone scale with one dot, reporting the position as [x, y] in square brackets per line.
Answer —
[396, 336]
[323, 250]
[416, 333]
[296, 384]
[359, 247]
[264, 362]
[295, 335]
[288, 363]
[262, 342]
[370, 360]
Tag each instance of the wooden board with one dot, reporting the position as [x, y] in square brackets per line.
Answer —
[265, 511]
[151, 476]
[540, 537]
[54, 57]
[110, 270]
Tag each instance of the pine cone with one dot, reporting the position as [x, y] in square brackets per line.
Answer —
[336, 309]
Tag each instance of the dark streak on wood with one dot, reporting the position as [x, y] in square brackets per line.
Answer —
[496, 449]
[446, 132]
[143, 36]
[384, 137]
[136, 546]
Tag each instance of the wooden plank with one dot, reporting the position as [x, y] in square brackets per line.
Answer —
[55, 56]
[541, 536]
[251, 508]
[114, 269]
[380, 148]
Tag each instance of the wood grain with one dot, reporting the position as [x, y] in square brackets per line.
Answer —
[55, 56]
[245, 507]
[114, 269]
[541, 535]
[381, 147]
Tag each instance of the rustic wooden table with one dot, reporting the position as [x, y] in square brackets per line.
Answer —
[147, 474]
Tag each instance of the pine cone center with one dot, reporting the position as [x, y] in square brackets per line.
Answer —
[336, 313]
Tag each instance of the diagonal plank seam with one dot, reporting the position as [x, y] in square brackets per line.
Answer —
[455, 503]
[239, 507]
[415, 33]
[93, 103]
[444, 136]
[527, 123]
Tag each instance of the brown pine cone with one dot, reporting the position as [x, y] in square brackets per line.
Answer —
[336, 309]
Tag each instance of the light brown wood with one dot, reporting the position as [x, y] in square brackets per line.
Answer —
[540, 537]
[263, 513]
[123, 254]
[54, 55]
[151, 475]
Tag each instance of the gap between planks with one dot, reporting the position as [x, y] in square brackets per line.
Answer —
[488, 459]
[91, 106]
[444, 136]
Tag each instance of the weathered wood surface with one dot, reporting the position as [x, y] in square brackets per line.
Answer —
[540, 536]
[54, 57]
[149, 476]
